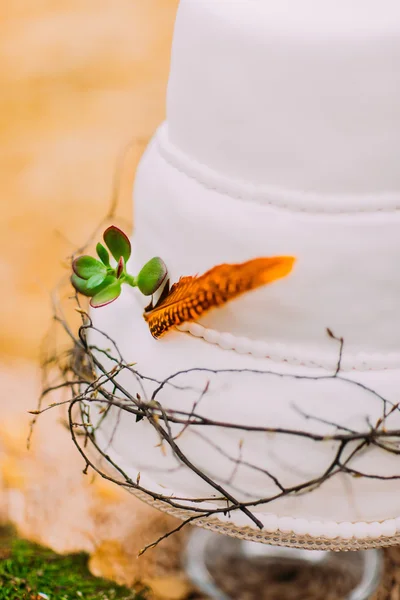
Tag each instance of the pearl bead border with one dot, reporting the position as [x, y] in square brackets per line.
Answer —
[331, 529]
[278, 352]
[288, 526]
[312, 203]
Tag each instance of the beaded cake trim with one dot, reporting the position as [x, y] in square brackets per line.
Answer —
[295, 201]
[286, 531]
[298, 533]
[279, 352]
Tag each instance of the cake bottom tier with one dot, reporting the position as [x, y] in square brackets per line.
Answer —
[310, 452]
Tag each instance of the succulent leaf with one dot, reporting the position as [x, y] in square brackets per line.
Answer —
[151, 276]
[95, 281]
[118, 243]
[106, 295]
[81, 285]
[87, 266]
[103, 254]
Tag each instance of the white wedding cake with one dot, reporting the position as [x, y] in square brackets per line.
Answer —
[282, 137]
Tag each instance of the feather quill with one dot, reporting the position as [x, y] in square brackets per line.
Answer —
[191, 297]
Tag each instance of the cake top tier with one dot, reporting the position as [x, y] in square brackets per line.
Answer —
[299, 96]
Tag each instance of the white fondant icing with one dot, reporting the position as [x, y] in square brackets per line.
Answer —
[343, 278]
[389, 528]
[286, 524]
[331, 530]
[196, 330]
[271, 523]
[273, 400]
[227, 341]
[345, 530]
[242, 346]
[374, 530]
[300, 526]
[287, 93]
[282, 138]
[360, 532]
[211, 336]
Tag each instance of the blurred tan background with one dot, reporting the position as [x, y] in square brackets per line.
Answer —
[79, 79]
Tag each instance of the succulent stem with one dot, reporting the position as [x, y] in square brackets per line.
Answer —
[131, 280]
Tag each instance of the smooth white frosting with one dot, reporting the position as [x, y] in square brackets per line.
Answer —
[344, 277]
[272, 399]
[298, 94]
[282, 137]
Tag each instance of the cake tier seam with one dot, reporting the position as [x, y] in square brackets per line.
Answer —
[278, 353]
[287, 200]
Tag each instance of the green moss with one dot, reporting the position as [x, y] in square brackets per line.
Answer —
[31, 572]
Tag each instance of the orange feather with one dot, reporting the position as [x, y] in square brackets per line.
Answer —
[191, 297]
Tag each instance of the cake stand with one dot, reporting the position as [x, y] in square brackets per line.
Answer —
[220, 557]
[273, 571]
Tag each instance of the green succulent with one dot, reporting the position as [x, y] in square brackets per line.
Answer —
[102, 282]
